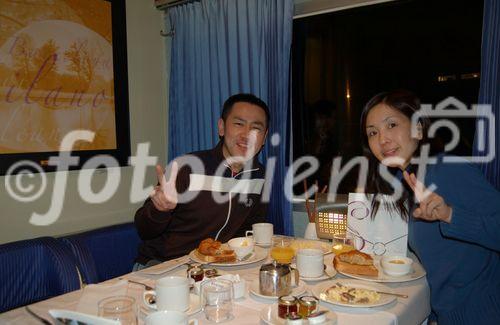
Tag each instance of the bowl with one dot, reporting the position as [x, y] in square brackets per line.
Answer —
[396, 265]
[242, 246]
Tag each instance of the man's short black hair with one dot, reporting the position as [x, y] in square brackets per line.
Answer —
[245, 98]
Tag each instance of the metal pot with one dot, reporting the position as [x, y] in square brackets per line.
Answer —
[275, 279]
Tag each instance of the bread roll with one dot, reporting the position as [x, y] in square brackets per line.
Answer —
[211, 250]
[355, 262]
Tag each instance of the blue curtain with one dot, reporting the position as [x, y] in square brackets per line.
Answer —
[224, 47]
[489, 90]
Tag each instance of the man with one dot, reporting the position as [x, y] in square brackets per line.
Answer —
[170, 227]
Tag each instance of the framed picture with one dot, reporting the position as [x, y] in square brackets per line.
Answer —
[63, 67]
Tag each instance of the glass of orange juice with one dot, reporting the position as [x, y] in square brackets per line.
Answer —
[281, 249]
[342, 243]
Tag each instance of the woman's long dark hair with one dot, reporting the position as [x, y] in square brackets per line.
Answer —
[406, 103]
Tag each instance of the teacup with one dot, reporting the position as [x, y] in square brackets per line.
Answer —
[310, 262]
[172, 293]
[262, 233]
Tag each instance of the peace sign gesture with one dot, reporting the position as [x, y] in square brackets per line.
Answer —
[432, 206]
[164, 195]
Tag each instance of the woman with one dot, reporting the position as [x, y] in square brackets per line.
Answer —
[455, 230]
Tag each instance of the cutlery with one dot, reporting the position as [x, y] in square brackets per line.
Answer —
[147, 287]
[377, 291]
[392, 294]
[41, 319]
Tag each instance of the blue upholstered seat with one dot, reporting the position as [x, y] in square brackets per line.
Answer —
[34, 270]
[104, 253]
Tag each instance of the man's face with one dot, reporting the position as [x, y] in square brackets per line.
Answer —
[244, 131]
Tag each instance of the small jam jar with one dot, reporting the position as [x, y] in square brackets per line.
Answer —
[286, 305]
[307, 305]
[196, 273]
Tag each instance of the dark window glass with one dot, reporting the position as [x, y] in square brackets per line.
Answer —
[341, 59]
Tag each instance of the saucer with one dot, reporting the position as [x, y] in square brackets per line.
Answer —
[330, 270]
[298, 290]
[194, 305]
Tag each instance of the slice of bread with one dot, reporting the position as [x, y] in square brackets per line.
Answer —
[220, 257]
[355, 262]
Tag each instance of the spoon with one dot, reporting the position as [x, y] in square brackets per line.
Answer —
[41, 319]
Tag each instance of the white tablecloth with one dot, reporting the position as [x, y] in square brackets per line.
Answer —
[412, 310]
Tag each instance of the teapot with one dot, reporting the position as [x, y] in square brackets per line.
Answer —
[275, 279]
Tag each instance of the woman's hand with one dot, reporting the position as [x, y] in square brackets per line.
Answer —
[432, 206]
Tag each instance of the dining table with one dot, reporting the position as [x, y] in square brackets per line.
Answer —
[248, 309]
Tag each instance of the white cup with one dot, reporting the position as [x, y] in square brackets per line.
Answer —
[310, 262]
[172, 293]
[261, 232]
[169, 317]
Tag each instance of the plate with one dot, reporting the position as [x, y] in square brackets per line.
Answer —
[194, 305]
[81, 317]
[269, 315]
[416, 272]
[258, 254]
[326, 247]
[254, 289]
[319, 290]
[329, 269]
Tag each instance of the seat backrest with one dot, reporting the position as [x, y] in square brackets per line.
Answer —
[104, 253]
[33, 270]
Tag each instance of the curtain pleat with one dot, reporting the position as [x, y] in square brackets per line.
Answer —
[489, 90]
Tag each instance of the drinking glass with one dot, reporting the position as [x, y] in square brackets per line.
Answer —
[121, 308]
[281, 250]
[217, 300]
[342, 243]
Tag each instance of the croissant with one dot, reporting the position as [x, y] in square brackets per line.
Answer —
[209, 246]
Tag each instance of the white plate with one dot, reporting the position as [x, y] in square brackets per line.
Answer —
[80, 317]
[269, 315]
[329, 269]
[416, 272]
[326, 247]
[319, 289]
[258, 254]
[298, 290]
[194, 305]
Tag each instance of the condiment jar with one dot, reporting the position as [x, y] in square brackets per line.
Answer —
[196, 272]
[307, 305]
[287, 305]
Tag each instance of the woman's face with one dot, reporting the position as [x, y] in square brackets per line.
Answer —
[389, 136]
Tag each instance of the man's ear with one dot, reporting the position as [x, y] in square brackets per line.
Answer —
[419, 131]
[220, 126]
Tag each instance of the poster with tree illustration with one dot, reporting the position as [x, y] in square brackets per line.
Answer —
[56, 74]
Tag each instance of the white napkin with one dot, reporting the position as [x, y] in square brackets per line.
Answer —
[386, 234]
[93, 293]
[239, 285]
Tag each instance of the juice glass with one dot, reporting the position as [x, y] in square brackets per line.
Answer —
[281, 250]
[342, 243]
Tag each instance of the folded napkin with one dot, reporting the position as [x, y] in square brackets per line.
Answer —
[93, 293]
[239, 285]
[384, 235]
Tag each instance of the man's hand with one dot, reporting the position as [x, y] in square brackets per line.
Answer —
[431, 205]
[164, 196]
